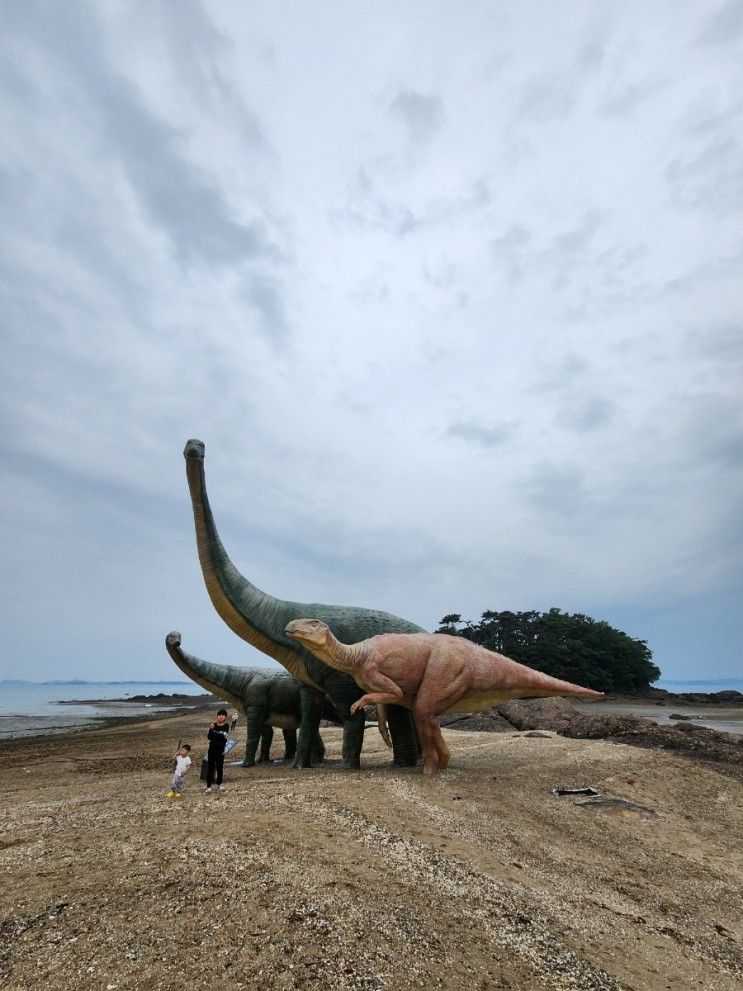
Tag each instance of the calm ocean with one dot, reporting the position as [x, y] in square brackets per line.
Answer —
[709, 685]
[28, 708]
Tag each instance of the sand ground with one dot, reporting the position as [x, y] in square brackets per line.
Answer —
[478, 879]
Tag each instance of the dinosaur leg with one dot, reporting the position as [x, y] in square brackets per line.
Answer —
[439, 689]
[353, 739]
[405, 743]
[318, 751]
[426, 725]
[309, 724]
[290, 744]
[443, 750]
[345, 693]
[266, 741]
[255, 716]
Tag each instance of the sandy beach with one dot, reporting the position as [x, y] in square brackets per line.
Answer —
[479, 878]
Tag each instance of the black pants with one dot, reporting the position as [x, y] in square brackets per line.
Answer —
[214, 762]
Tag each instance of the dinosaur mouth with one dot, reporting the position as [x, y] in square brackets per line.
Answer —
[293, 629]
[173, 639]
[194, 449]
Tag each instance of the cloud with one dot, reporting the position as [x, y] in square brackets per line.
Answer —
[557, 489]
[366, 204]
[544, 99]
[175, 191]
[712, 179]
[623, 101]
[560, 258]
[422, 115]
[512, 250]
[726, 26]
[586, 414]
[475, 342]
[483, 436]
[721, 344]
[265, 297]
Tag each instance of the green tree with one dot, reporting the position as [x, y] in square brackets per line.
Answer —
[573, 647]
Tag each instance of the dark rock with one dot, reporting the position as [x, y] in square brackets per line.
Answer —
[559, 716]
[485, 722]
[680, 715]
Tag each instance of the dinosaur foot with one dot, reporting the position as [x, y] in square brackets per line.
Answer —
[350, 765]
[247, 763]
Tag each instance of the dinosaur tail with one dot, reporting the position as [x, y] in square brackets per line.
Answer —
[384, 729]
[536, 684]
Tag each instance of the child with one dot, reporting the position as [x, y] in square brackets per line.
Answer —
[217, 735]
[182, 764]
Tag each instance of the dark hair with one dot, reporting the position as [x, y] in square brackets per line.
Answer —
[185, 746]
[221, 712]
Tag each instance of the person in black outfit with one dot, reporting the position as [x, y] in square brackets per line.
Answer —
[217, 735]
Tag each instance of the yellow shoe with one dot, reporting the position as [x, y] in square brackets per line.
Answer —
[176, 794]
[170, 794]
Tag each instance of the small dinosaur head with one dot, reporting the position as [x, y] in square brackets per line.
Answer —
[310, 632]
[173, 639]
[194, 449]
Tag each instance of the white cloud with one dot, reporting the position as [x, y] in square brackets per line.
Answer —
[457, 317]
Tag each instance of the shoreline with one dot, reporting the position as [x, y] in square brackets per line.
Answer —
[714, 714]
[15, 727]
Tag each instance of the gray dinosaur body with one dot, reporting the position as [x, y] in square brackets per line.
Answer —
[269, 699]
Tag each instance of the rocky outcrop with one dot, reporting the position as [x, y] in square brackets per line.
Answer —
[661, 696]
[688, 739]
[484, 722]
[561, 717]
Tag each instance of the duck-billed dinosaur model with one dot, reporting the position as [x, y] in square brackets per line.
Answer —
[267, 698]
[261, 619]
[430, 673]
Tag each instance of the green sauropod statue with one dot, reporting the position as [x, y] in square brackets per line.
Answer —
[268, 699]
[261, 619]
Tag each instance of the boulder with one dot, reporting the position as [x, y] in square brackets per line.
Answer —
[558, 715]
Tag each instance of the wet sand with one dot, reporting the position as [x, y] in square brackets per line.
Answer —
[480, 878]
[723, 718]
[91, 713]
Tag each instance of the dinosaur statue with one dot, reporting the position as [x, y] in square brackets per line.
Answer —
[430, 673]
[260, 619]
[267, 698]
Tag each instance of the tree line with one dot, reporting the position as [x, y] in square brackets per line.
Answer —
[573, 647]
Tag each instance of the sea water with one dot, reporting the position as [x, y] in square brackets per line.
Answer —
[29, 708]
[700, 685]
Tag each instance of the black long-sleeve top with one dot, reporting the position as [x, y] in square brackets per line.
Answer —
[218, 739]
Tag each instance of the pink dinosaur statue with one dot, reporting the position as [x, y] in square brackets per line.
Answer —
[430, 673]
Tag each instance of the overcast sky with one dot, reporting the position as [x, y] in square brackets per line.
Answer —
[452, 293]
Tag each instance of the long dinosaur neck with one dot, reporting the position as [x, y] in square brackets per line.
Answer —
[223, 680]
[252, 614]
[341, 656]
